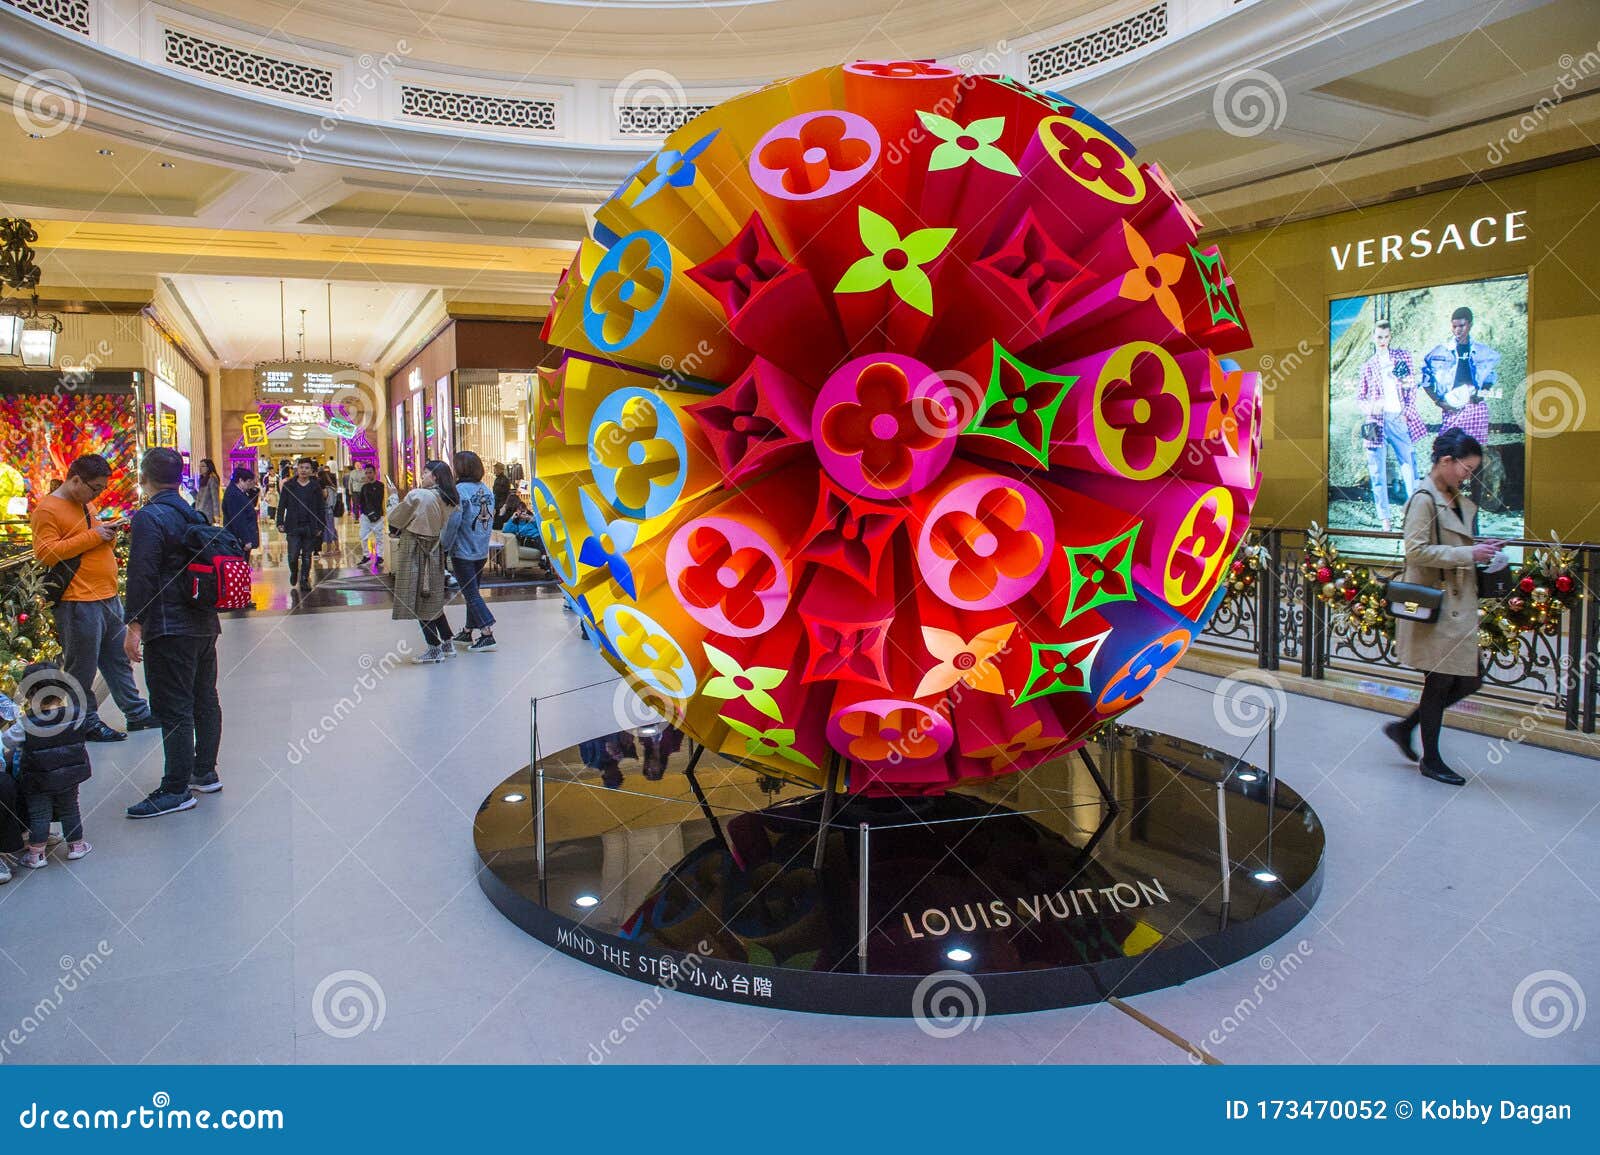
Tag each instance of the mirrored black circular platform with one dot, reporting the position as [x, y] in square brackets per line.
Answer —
[1141, 862]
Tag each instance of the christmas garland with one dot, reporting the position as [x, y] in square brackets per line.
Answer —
[1243, 573]
[27, 627]
[1543, 587]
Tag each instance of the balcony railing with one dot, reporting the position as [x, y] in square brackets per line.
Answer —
[1553, 675]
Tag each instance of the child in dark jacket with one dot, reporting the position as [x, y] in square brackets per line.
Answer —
[48, 740]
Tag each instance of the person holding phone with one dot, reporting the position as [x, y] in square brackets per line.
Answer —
[1441, 552]
[76, 550]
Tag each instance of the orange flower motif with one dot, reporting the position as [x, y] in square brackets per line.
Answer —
[1024, 741]
[962, 661]
[1152, 276]
[875, 738]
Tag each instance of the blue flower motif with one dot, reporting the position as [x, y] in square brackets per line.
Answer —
[592, 632]
[1142, 671]
[607, 542]
[675, 168]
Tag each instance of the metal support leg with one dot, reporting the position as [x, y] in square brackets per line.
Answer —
[1100, 782]
[700, 797]
[829, 793]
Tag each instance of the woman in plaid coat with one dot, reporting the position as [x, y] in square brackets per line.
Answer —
[424, 522]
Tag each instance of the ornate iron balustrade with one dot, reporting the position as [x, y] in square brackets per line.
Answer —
[1554, 675]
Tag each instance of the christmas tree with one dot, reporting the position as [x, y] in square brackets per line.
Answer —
[27, 628]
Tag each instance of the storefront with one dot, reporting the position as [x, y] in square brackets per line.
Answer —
[469, 387]
[44, 428]
[1480, 303]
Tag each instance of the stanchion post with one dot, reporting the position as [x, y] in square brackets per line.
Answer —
[863, 889]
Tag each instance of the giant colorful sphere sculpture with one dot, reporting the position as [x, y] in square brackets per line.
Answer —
[893, 425]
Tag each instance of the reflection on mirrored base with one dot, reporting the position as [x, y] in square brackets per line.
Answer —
[1031, 890]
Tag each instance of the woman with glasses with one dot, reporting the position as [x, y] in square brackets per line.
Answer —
[1441, 553]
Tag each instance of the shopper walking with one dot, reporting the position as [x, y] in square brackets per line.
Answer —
[48, 739]
[176, 638]
[208, 491]
[470, 550]
[1441, 552]
[332, 507]
[302, 518]
[239, 509]
[425, 520]
[372, 502]
[352, 481]
[502, 495]
[77, 551]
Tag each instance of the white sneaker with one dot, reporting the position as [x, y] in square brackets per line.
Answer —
[5, 870]
[429, 656]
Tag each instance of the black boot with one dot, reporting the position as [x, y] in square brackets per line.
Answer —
[1436, 769]
[1399, 732]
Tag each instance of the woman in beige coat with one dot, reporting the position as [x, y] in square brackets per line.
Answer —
[425, 522]
[1440, 552]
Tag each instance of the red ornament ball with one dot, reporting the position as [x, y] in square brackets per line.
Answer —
[1564, 583]
[1350, 593]
[1238, 567]
[22, 619]
[1526, 585]
[1324, 574]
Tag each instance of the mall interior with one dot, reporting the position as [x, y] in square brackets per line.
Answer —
[1199, 295]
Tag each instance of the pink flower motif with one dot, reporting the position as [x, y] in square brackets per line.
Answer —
[1142, 410]
[820, 148]
[888, 428]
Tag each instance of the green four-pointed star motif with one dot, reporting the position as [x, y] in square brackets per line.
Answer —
[761, 678]
[895, 260]
[768, 743]
[1061, 667]
[974, 142]
[1001, 414]
[1209, 266]
[1089, 566]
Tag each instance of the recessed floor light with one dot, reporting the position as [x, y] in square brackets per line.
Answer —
[586, 901]
[1247, 776]
[958, 954]
[1264, 876]
[514, 798]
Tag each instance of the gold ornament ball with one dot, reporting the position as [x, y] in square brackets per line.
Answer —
[1327, 589]
[1541, 594]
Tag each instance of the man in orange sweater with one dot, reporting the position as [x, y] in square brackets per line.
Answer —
[89, 614]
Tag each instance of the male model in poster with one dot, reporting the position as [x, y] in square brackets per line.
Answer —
[1387, 396]
[1458, 374]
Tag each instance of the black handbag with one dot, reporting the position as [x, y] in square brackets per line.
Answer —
[1410, 600]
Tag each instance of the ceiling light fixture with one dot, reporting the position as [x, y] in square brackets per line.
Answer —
[105, 152]
[168, 164]
[25, 331]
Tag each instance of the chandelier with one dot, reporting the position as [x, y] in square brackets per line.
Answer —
[25, 331]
